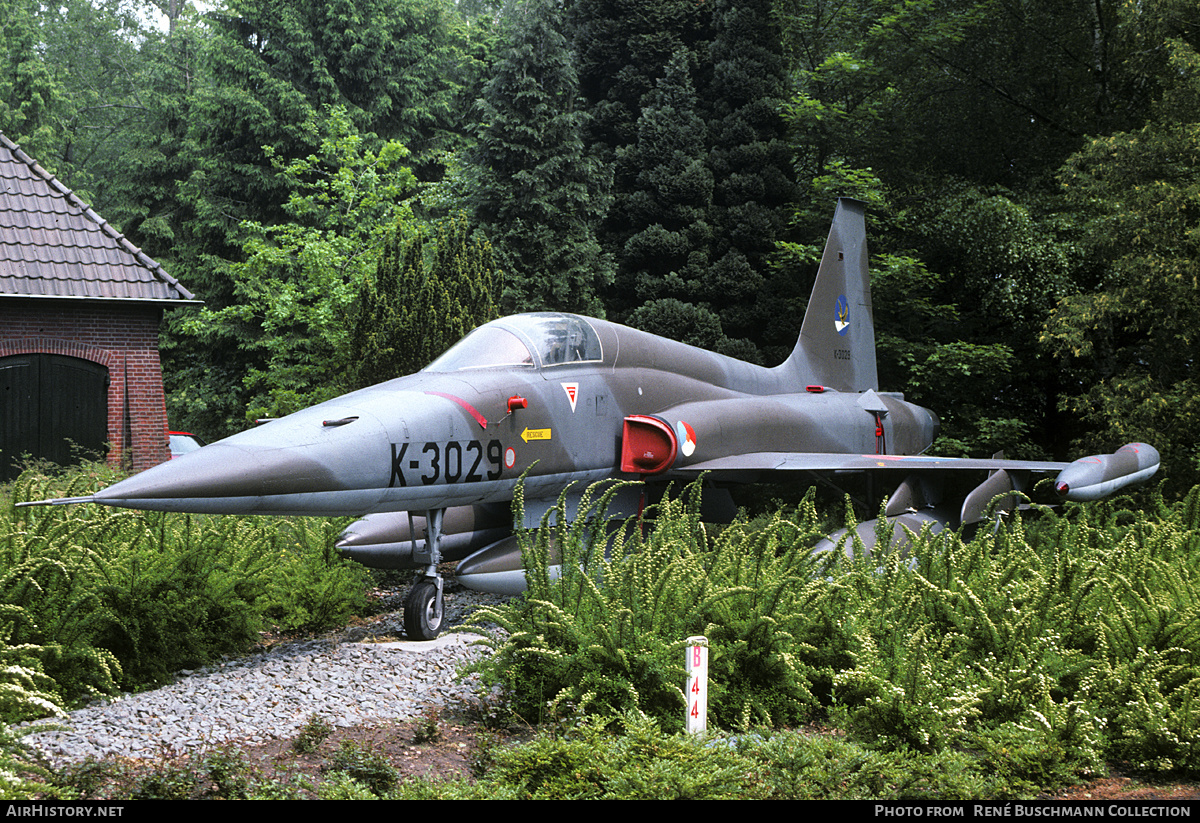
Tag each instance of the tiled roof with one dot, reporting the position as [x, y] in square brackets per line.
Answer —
[53, 245]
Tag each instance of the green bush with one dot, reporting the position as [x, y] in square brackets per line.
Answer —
[169, 782]
[214, 774]
[1042, 649]
[608, 637]
[312, 734]
[368, 768]
[631, 757]
[22, 774]
[591, 762]
[798, 766]
[116, 598]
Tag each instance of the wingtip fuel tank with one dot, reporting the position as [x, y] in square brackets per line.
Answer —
[1099, 475]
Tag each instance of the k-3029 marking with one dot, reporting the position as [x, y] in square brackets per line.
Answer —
[451, 462]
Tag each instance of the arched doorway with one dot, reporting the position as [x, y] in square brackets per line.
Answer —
[51, 407]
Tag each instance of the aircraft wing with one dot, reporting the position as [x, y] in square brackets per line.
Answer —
[815, 461]
[1088, 478]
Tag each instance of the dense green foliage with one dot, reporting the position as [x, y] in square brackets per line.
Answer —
[95, 599]
[992, 667]
[1129, 335]
[609, 636]
[427, 293]
[1031, 174]
[299, 282]
[1044, 650]
[588, 760]
[538, 194]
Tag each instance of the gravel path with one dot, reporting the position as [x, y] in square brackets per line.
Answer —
[271, 694]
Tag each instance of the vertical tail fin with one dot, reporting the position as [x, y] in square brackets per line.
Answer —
[836, 348]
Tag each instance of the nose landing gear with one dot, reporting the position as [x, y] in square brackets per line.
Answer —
[423, 606]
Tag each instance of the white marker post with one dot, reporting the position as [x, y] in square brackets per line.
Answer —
[697, 685]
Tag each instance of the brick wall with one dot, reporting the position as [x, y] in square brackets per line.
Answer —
[124, 338]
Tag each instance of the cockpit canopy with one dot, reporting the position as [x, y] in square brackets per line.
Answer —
[524, 340]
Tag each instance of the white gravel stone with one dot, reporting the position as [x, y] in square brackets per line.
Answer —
[268, 695]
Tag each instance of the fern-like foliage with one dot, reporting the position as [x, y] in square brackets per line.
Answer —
[1074, 638]
[1045, 647]
[608, 637]
[112, 598]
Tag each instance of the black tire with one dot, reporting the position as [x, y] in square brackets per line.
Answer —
[422, 615]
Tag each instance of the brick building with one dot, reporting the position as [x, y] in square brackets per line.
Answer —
[80, 308]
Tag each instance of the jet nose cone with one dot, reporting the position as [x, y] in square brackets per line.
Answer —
[227, 470]
[297, 465]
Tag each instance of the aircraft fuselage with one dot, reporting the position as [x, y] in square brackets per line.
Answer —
[453, 436]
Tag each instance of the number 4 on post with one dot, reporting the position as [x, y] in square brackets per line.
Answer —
[697, 685]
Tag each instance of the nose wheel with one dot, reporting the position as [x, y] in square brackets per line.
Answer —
[423, 607]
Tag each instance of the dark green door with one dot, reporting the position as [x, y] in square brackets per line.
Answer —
[51, 407]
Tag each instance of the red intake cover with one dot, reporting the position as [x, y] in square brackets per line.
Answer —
[648, 446]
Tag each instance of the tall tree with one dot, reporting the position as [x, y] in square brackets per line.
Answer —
[1129, 338]
[269, 74]
[750, 159]
[68, 86]
[623, 47]
[661, 218]
[142, 183]
[29, 92]
[734, 62]
[664, 197]
[426, 294]
[297, 287]
[271, 67]
[939, 103]
[538, 194]
[997, 92]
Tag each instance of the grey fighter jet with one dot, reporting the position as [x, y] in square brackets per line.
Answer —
[433, 458]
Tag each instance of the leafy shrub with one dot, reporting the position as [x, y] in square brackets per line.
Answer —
[21, 774]
[116, 598]
[423, 788]
[798, 766]
[1044, 649]
[229, 774]
[311, 587]
[311, 734]
[369, 768]
[608, 637]
[168, 782]
[1024, 760]
[1049, 648]
[590, 762]
[342, 786]
[215, 774]
[427, 728]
